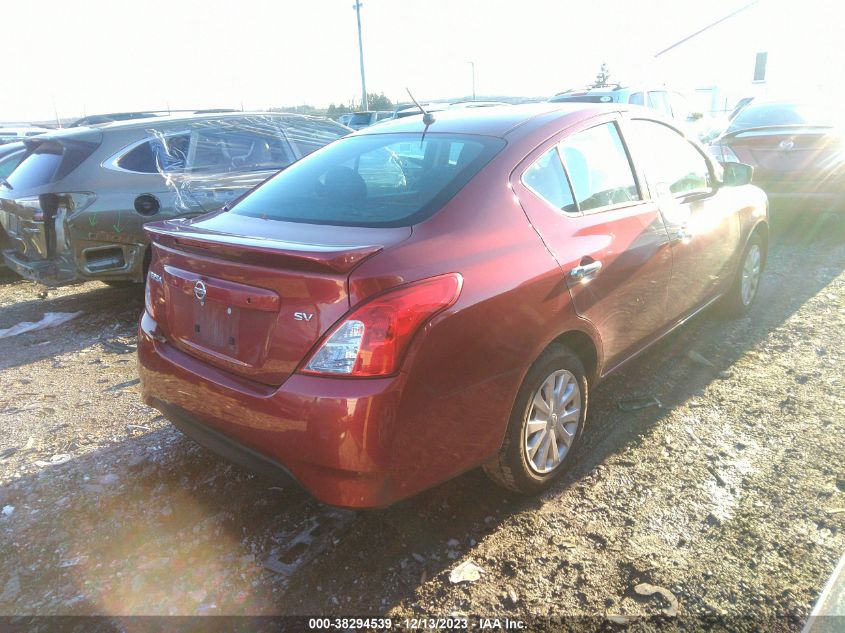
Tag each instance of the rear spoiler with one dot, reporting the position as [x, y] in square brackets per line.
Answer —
[258, 251]
[762, 130]
[76, 137]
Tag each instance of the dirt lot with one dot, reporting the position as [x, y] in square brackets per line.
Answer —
[730, 497]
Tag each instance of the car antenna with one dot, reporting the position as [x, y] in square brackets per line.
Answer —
[428, 117]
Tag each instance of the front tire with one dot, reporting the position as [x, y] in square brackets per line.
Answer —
[545, 425]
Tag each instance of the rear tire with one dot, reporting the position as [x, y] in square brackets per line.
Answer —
[545, 425]
[739, 299]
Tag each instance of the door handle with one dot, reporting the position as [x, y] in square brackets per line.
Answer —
[585, 270]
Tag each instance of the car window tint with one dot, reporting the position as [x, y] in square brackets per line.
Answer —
[599, 168]
[670, 161]
[159, 154]
[636, 98]
[546, 178]
[234, 150]
[659, 100]
[372, 180]
[310, 136]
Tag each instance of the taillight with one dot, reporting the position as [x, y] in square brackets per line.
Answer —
[49, 205]
[372, 340]
[152, 285]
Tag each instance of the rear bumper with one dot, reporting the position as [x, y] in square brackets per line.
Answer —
[222, 445]
[335, 437]
[46, 271]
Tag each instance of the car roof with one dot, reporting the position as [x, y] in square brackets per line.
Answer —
[206, 116]
[169, 121]
[489, 121]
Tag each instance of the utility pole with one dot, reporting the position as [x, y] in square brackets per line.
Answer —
[364, 104]
[473, 79]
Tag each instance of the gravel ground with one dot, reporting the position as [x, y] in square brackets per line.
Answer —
[727, 500]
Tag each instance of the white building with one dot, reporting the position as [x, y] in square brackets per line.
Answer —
[771, 48]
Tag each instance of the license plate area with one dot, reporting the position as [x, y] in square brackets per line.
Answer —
[216, 326]
[228, 324]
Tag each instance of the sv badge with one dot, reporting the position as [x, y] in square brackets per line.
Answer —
[303, 316]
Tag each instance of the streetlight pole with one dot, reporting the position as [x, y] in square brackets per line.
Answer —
[473, 79]
[364, 104]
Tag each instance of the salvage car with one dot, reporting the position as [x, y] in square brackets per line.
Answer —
[75, 207]
[435, 294]
[797, 151]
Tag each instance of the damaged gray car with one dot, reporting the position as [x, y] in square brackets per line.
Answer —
[74, 208]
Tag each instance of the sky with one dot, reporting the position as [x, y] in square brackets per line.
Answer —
[97, 56]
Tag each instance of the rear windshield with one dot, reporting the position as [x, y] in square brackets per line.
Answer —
[38, 168]
[49, 161]
[766, 114]
[380, 180]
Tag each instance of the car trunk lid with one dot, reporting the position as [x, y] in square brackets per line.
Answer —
[790, 153]
[255, 306]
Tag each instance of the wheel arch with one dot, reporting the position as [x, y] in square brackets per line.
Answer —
[584, 347]
[761, 229]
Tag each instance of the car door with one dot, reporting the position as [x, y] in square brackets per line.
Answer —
[581, 194]
[700, 217]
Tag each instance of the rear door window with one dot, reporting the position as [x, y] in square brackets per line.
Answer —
[599, 168]
[166, 154]
[373, 180]
[546, 178]
[255, 149]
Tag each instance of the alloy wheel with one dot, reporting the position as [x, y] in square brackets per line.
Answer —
[552, 421]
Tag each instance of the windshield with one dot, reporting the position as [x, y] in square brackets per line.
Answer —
[377, 180]
[769, 114]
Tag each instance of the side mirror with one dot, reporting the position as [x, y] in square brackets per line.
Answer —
[737, 174]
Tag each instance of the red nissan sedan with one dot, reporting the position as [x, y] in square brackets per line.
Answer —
[426, 297]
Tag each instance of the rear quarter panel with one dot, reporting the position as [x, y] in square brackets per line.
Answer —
[465, 367]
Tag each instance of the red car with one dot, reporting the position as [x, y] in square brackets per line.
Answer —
[423, 298]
